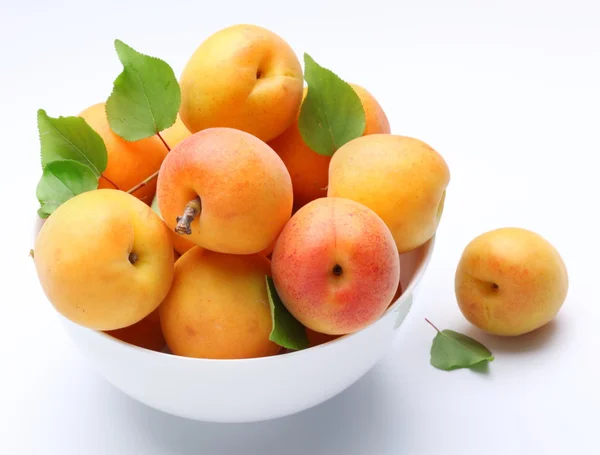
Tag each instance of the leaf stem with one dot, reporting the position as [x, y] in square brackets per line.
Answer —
[110, 181]
[163, 141]
[431, 324]
[143, 183]
[153, 176]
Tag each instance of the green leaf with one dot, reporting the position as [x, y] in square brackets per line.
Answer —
[332, 113]
[145, 97]
[286, 331]
[42, 213]
[71, 138]
[60, 181]
[451, 350]
[154, 206]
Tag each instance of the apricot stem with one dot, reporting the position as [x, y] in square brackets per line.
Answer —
[192, 210]
[431, 324]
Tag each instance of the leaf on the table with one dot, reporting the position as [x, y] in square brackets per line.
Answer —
[332, 113]
[145, 98]
[287, 331]
[60, 181]
[451, 350]
[71, 138]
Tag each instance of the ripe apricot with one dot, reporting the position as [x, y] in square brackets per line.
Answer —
[146, 333]
[226, 191]
[218, 306]
[129, 163]
[317, 338]
[104, 259]
[308, 169]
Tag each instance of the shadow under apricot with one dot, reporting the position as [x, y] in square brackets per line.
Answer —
[532, 341]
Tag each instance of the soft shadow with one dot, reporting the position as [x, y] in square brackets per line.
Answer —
[528, 342]
[481, 368]
[340, 425]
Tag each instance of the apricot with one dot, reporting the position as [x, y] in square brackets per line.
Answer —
[244, 77]
[309, 170]
[317, 338]
[510, 281]
[180, 243]
[398, 293]
[218, 307]
[175, 133]
[104, 259]
[146, 333]
[226, 190]
[400, 178]
[335, 266]
[129, 163]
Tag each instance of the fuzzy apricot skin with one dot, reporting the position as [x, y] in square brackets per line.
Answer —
[129, 163]
[335, 266]
[218, 307]
[510, 281]
[401, 178]
[309, 170]
[244, 77]
[146, 333]
[244, 188]
[83, 258]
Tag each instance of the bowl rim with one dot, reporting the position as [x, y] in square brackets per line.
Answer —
[428, 246]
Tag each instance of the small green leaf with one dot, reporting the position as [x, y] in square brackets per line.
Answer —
[145, 97]
[60, 181]
[154, 206]
[451, 350]
[71, 138]
[332, 113]
[286, 331]
[42, 213]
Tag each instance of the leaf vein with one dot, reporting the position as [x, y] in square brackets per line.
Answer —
[81, 152]
[145, 96]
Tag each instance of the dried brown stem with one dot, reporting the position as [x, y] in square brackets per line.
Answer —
[192, 210]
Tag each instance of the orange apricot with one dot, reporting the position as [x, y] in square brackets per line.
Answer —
[129, 163]
[308, 169]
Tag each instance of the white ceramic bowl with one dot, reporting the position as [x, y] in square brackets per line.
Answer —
[251, 389]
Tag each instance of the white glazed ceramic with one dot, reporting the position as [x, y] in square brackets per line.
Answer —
[251, 389]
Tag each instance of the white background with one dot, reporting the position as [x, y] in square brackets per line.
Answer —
[507, 91]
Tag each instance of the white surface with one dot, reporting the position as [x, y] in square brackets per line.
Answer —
[508, 92]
